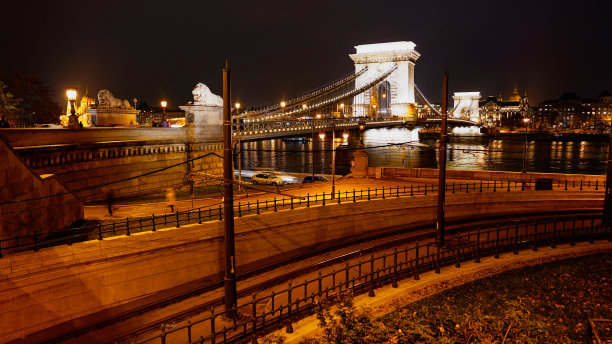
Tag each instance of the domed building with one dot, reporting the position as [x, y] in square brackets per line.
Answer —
[87, 102]
[497, 112]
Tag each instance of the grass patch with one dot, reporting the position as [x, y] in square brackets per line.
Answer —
[547, 303]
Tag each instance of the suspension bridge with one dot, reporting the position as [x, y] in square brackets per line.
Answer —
[380, 92]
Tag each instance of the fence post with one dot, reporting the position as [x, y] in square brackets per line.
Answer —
[554, 239]
[371, 293]
[339, 197]
[535, 236]
[163, 334]
[220, 214]
[497, 242]
[177, 219]
[383, 190]
[596, 181]
[508, 186]
[416, 266]
[437, 270]
[213, 331]
[368, 194]
[477, 245]
[127, 226]
[425, 189]
[307, 202]
[240, 209]
[99, 232]
[394, 284]
[494, 186]
[516, 239]
[275, 209]
[289, 328]
[481, 186]
[573, 235]
[467, 188]
[454, 187]
[580, 184]
[397, 191]
[411, 193]
[354, 200]
[291, 203]
[254, 310]
[200, 216]
[565, 184]
[323, 197]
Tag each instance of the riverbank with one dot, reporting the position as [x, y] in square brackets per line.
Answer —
[531, 136]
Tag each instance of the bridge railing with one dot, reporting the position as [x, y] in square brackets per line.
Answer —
[199, 215]
[284, 305]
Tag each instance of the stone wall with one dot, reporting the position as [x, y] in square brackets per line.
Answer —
[87, 158]
[482, 175]
[56, 284]
[40, 211]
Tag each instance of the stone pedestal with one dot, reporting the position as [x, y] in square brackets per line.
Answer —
[203, 122]
[112, 117]
[361, 163]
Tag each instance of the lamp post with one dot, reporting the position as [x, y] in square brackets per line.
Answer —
[237, 106]
[163, 105]
[71, 94]
[526, 120]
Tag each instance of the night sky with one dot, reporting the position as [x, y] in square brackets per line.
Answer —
[160, 49]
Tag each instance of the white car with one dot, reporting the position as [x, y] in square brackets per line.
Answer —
[267, 178]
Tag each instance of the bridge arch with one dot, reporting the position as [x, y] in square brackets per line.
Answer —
[376, 58]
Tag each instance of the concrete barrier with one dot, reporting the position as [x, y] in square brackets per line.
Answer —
[53, 285]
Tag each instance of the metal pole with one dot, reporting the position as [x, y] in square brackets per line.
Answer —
[442, 166]
[525, 149]
[313, 147]
[333, 191]
[239, 155]
[607, 215]
[228, 201]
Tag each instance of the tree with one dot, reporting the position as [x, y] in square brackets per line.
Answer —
[9, 105]
[36, 105]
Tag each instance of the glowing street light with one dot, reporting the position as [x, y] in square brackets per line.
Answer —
[71, 94]
[322, 135]
[526, 120]
[283, 104]
[345, 135]
[237, 106]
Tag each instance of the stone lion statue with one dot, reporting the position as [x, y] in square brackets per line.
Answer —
[203, 96]
[106, 99]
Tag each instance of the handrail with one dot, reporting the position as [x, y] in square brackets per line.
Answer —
[208, 213]
[297, 300]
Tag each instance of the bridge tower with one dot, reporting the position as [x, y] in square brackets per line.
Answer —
[467, 103]
[395, 94]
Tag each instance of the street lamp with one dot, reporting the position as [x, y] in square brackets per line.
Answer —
[526, 120]
[283, 104]
[237, 106]
[71, 94]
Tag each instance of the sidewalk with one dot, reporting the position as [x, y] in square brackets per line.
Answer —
[123, 210]
[387, 299]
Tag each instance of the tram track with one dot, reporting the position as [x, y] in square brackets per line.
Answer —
[325, 256]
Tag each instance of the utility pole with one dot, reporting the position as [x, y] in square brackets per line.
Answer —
[442, 167]
[228, 200]
[607, 214]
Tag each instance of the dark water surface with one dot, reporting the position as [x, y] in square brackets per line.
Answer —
[400, 147]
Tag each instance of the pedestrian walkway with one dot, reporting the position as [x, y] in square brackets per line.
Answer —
[387, 298]
[122, 210]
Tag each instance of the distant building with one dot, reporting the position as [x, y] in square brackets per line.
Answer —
[80, 109]
[148, 115]
[572, 112]
[497, 112]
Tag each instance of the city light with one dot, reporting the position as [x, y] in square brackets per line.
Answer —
[71, 93]
[164, 103]
[282, 104]
[322, 135]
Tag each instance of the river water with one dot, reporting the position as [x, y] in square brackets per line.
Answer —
[401, 147]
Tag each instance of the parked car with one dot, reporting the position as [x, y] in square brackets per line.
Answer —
[309, 179]
[267, 178]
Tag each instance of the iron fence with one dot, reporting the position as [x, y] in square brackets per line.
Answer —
[199, 215]
[280, 308]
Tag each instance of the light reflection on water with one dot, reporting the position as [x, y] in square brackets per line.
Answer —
[397, 147]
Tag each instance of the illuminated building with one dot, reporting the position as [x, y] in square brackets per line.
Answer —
[500, 113]
[84, 117]
[571, 112]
